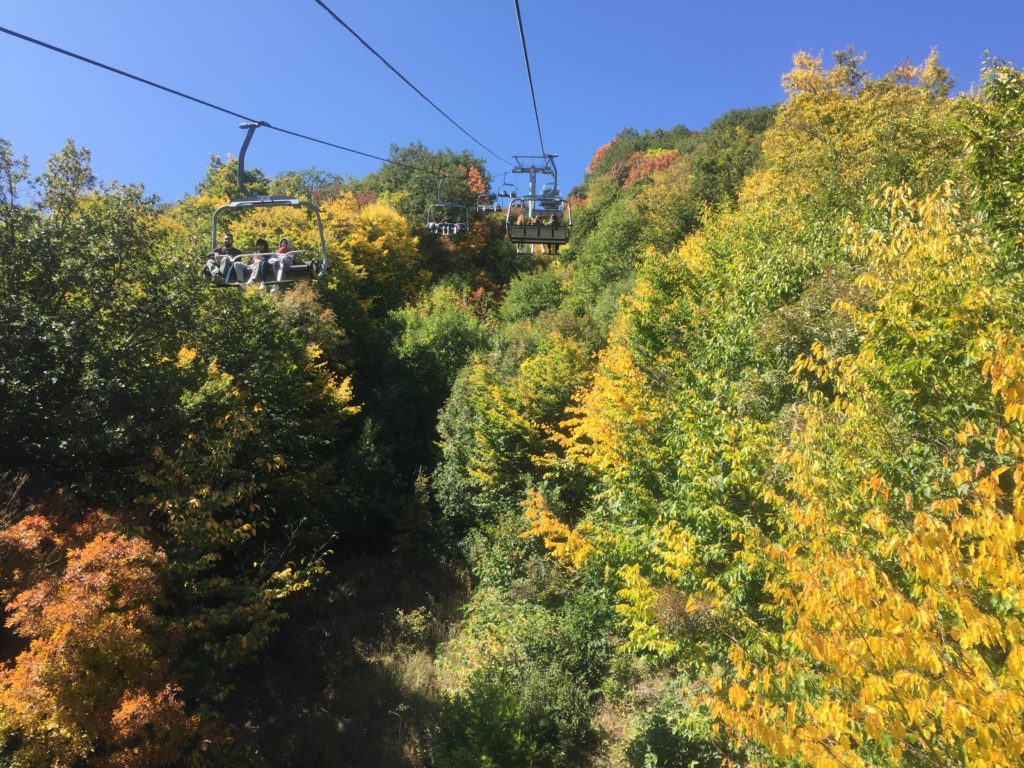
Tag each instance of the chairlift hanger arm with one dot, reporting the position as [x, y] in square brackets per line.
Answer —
[250, 129]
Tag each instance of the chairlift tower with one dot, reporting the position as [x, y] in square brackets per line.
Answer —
[535, 165]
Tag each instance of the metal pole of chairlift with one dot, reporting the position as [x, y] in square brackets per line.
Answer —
[533, 190]
[250, 129]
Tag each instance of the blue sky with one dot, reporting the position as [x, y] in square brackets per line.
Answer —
[598, 66]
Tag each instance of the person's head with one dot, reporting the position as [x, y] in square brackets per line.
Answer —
[228, 239]
[262, 246]
[285, 242]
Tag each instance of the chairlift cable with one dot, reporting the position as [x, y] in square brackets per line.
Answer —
[529, 75]
[203, 102]
[406, 80]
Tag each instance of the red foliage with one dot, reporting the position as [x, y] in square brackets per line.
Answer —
[366, 197]
[599, 156]
[639, 165]
[484, 297]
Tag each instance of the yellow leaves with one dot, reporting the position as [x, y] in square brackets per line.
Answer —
[969, 431]
[694, 255]
[339, 390]
[638, 611]
[613, 414]
[737, 696]
[869, 281]
[874, 486]
[274, 223]
[933, 75]
[898, 633]
[894, 664]
[875, 520]
[185, 357]
[565, 544]
[674, 548]
[807, 75]
[820, 363]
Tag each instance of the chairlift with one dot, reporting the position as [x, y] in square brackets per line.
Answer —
[533, 225]
[488, 203]
[494, 202]
[543, 219]
[307, 265]
[447, 218]
[550, 201]
[507, 188]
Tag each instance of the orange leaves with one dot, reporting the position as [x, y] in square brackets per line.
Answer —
[91, 688]
[595, 161]
[149, 729]
[640, 165]
[475, 181]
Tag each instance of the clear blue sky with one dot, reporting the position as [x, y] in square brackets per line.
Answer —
[598, 65]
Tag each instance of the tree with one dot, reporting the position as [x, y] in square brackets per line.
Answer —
[409, 181]
[93, 686]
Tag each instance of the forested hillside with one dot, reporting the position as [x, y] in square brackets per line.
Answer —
[731, 479]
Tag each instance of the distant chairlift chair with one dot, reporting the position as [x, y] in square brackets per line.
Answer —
[487, 204]
[446, 218]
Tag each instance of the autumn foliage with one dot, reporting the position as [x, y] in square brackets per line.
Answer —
[598, 156]
[93, 685]
[736, 478]
[475, 181]
[640, 165]
[794, 468]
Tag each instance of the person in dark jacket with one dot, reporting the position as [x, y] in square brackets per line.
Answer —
[219, 261]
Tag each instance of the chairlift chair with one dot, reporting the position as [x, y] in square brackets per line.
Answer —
[309, 265]
[507, 188]
[554, 231]
[487, 203]
[447, 218]
[546, 207]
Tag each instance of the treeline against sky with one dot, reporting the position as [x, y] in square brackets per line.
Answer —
[740, 478]
[731, 478]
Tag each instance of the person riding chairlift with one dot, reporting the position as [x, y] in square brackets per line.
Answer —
[283, 259]
[220, 261]
[258, 264]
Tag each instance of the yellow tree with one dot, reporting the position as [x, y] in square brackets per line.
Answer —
[374, 243]
[898, 577]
